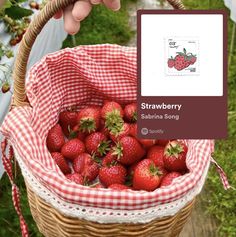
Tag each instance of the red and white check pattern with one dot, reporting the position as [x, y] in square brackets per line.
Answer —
[87, 75]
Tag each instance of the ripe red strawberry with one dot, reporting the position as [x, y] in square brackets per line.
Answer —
[5, 87]
[128, 150]
[55, 138]
[118, 187]
[97, 143]
[171, 62]
[168, 179]
[162, 142]
[156, 154]
[86, 166]
[147, 143]
[72, 148]
[61, 162]
[111, 107]
[112, 175]
[67, 120]
[146, 176]
[109, 159]
[130, 112]
[116, 136]
[89, 119]
[75, 133]
[175, 156]
[77, 178]
[133, 130]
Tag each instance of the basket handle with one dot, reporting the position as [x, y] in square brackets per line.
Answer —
[29, 38]
[25, 47]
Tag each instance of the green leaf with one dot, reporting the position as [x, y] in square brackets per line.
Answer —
[185, 51]
[16, 12]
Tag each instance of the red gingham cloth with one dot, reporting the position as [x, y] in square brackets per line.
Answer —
[83, 76]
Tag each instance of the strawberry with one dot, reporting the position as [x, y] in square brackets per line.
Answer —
[67, 120]
[179, 62]
[146, 176]
[109, 159]
[89, 119]
[61, 162]
[171, 62]
[128, 150]
[116, 136]
[175, 156]
[155, 154]
[133, 129]
[5, 87]
[77, 178]
[193, 59]
[112, 175]
[75, 133]
[112, 113]
[168, 179]
[118, 187]
[130, 112]
[110, 107]
[97, 143]
[72, 148]
[55, 139]
[162, 142]
[86, 166]
[147, 143]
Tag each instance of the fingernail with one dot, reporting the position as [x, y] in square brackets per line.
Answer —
[115, 5]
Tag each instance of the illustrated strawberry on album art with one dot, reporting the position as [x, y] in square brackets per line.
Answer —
[181, 60]
[182, 56]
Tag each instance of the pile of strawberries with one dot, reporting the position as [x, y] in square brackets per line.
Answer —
[99, 147]
[182, 60]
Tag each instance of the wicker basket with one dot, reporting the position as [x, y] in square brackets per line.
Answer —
[49, 220]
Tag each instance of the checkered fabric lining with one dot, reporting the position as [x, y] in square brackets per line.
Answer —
[83, 76]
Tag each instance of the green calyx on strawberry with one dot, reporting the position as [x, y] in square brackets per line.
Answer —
[175, 156]
[89, 119]
[128, 150]
[114, 122]
[97, 143]
[124, 132]
[147, 176]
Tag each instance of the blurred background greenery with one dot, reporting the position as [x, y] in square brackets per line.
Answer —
[104, 26]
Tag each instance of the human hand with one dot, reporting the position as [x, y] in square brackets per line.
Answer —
[75, 13]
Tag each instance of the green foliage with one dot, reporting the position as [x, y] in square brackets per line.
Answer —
[17, 12]
[103, 26]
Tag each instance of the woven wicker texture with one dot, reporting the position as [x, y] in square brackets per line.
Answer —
[52, 223]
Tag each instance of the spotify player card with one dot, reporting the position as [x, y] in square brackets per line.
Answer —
[182, 66]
